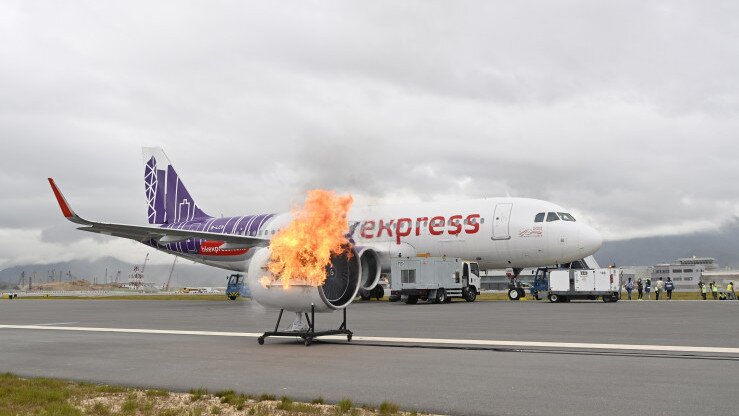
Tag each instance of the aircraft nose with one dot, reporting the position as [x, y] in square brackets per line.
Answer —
[590, 239]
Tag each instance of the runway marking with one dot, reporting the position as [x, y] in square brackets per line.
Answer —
[59, 323]
[398, 340]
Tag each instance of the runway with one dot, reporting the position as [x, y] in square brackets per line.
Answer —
[481, 358]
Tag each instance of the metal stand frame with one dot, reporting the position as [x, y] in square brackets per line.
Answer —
[310, 334]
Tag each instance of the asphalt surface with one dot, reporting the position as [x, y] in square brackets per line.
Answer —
[450, 379]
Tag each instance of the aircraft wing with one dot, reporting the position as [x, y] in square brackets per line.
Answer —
[143, 233]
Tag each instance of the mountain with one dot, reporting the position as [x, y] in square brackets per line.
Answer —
[723, 245]
[185, 273]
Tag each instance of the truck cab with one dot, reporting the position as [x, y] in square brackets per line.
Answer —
[236, 286]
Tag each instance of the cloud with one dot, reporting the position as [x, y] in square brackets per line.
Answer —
[624, 112]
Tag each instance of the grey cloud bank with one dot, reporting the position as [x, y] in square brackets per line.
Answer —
[624, 112]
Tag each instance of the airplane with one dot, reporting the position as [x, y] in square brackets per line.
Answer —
[498, 233]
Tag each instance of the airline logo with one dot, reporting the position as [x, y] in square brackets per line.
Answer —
[437, 225]
[213, 248]
[531, 232]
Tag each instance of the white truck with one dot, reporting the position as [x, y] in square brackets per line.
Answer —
[562, 285]
[433, 279]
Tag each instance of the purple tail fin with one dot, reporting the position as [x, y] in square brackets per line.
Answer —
[168, 199]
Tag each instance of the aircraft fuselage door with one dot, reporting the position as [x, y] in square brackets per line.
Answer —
[501, 221]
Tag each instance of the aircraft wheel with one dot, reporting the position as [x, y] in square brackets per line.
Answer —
[377, 292]
[260, 340]
[365, 294]
[514, 294]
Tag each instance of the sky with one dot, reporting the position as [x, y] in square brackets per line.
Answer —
[625, 112]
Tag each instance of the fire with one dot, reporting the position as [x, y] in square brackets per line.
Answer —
[303, 249]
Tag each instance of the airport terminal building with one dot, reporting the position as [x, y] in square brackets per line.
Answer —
[685, 272]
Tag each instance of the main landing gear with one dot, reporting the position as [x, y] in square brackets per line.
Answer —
[307, 332]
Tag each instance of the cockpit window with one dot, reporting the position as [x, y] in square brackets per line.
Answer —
[539, 217]
[565, 216]
[552, 216]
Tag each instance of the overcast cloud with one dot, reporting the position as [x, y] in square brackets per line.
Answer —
[624, 111]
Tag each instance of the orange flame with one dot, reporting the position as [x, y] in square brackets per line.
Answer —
[318, 230]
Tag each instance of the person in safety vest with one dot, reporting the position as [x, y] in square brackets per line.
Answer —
[730, 291]
[714, 290]
[669, 287]
[703, 289]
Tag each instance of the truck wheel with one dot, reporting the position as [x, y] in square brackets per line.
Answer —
[514, 294]
[441, 295]
[411, 300]
[393, 298]
[470, 294]
[614, 298]
[232, 297]
[606, 299]
[553, 298]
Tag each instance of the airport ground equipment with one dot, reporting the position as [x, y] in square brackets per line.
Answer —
[433, 279]
[563, 285]
[307, 332]
[237, 287]
[342, 282]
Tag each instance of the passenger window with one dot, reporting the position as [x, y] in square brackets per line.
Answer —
[552, 216]
[565, 216]
[539, 217]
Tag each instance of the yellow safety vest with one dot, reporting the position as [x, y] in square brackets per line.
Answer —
[714, 289]
[703, 289]
[730, 288]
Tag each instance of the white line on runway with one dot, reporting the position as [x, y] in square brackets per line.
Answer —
[59, 323]
[394, 340]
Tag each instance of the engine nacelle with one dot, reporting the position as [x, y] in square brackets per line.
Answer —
[337, 292]
[370, 266]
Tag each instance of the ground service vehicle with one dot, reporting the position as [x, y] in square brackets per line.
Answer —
[236, 287]
[563, 285]
[434, 279]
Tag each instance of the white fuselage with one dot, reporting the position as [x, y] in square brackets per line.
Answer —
[496, 232]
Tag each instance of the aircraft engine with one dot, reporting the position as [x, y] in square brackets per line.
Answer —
[337, 292]
[370, 262]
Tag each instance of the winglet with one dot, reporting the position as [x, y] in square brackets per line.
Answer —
[64, 205]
